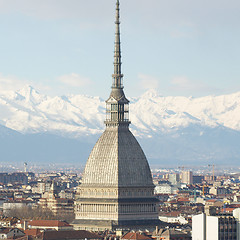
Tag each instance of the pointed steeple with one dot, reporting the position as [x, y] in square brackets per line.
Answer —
[117, 76]
[117, 104]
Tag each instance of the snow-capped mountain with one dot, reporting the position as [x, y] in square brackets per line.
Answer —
[169, 128]
[27, 111]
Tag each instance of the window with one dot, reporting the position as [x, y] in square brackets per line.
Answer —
[114, 107]
[114, 116]
[126, 116]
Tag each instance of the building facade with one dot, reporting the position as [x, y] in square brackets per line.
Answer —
[187, 177]
[165, 189]
[13, 178]
[58, 206]
[174, 179]
[215, 227]
[117, 189]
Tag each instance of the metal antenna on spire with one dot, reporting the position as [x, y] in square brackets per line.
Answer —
[117, 76]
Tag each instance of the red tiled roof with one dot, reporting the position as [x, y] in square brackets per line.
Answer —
[170, 214]
[183, 200]
[135, 236]
[227, 209]
[234, 205]
[32, 232]
[48, 223]
[173, 214]
[80, 234]
[211, 200]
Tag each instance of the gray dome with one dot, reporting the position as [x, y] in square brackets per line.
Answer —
[117, 160]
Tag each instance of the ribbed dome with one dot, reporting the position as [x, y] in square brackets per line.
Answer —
[117, 160]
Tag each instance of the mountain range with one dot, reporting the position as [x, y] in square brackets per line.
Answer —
[172, 130]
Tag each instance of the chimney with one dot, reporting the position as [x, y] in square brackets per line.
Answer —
[25, 225]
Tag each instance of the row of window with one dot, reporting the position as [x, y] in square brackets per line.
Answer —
[120, 193]
[117, 116]
[112, 208]
[118, 107]
[129, 208]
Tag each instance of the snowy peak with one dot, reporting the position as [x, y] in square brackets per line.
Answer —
[177, 112]
[27, 90]
[170, 129]
[151, 93]
[30, 95]
[28, 111]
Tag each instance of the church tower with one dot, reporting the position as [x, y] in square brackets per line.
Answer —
[117, 191]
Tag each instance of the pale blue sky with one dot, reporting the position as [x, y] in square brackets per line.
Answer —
[185, 47]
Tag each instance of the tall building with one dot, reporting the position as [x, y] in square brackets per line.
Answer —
[117, 190]
[187, 177]
[174, 179]
[216, 227]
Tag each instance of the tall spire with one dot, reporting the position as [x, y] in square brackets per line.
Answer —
[117, 109]
[117, 76]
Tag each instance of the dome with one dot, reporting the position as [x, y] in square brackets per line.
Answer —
[117, 160]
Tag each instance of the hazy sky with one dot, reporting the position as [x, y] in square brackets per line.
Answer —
[179, 47]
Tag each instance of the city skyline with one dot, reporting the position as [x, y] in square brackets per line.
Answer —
[55, 44]
[183, 183]
[64, 47]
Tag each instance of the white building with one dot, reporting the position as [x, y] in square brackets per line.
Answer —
[199, 227]
[170, 219]
[236, 214]
[165, 189]
[215, 227]
[187, 177]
